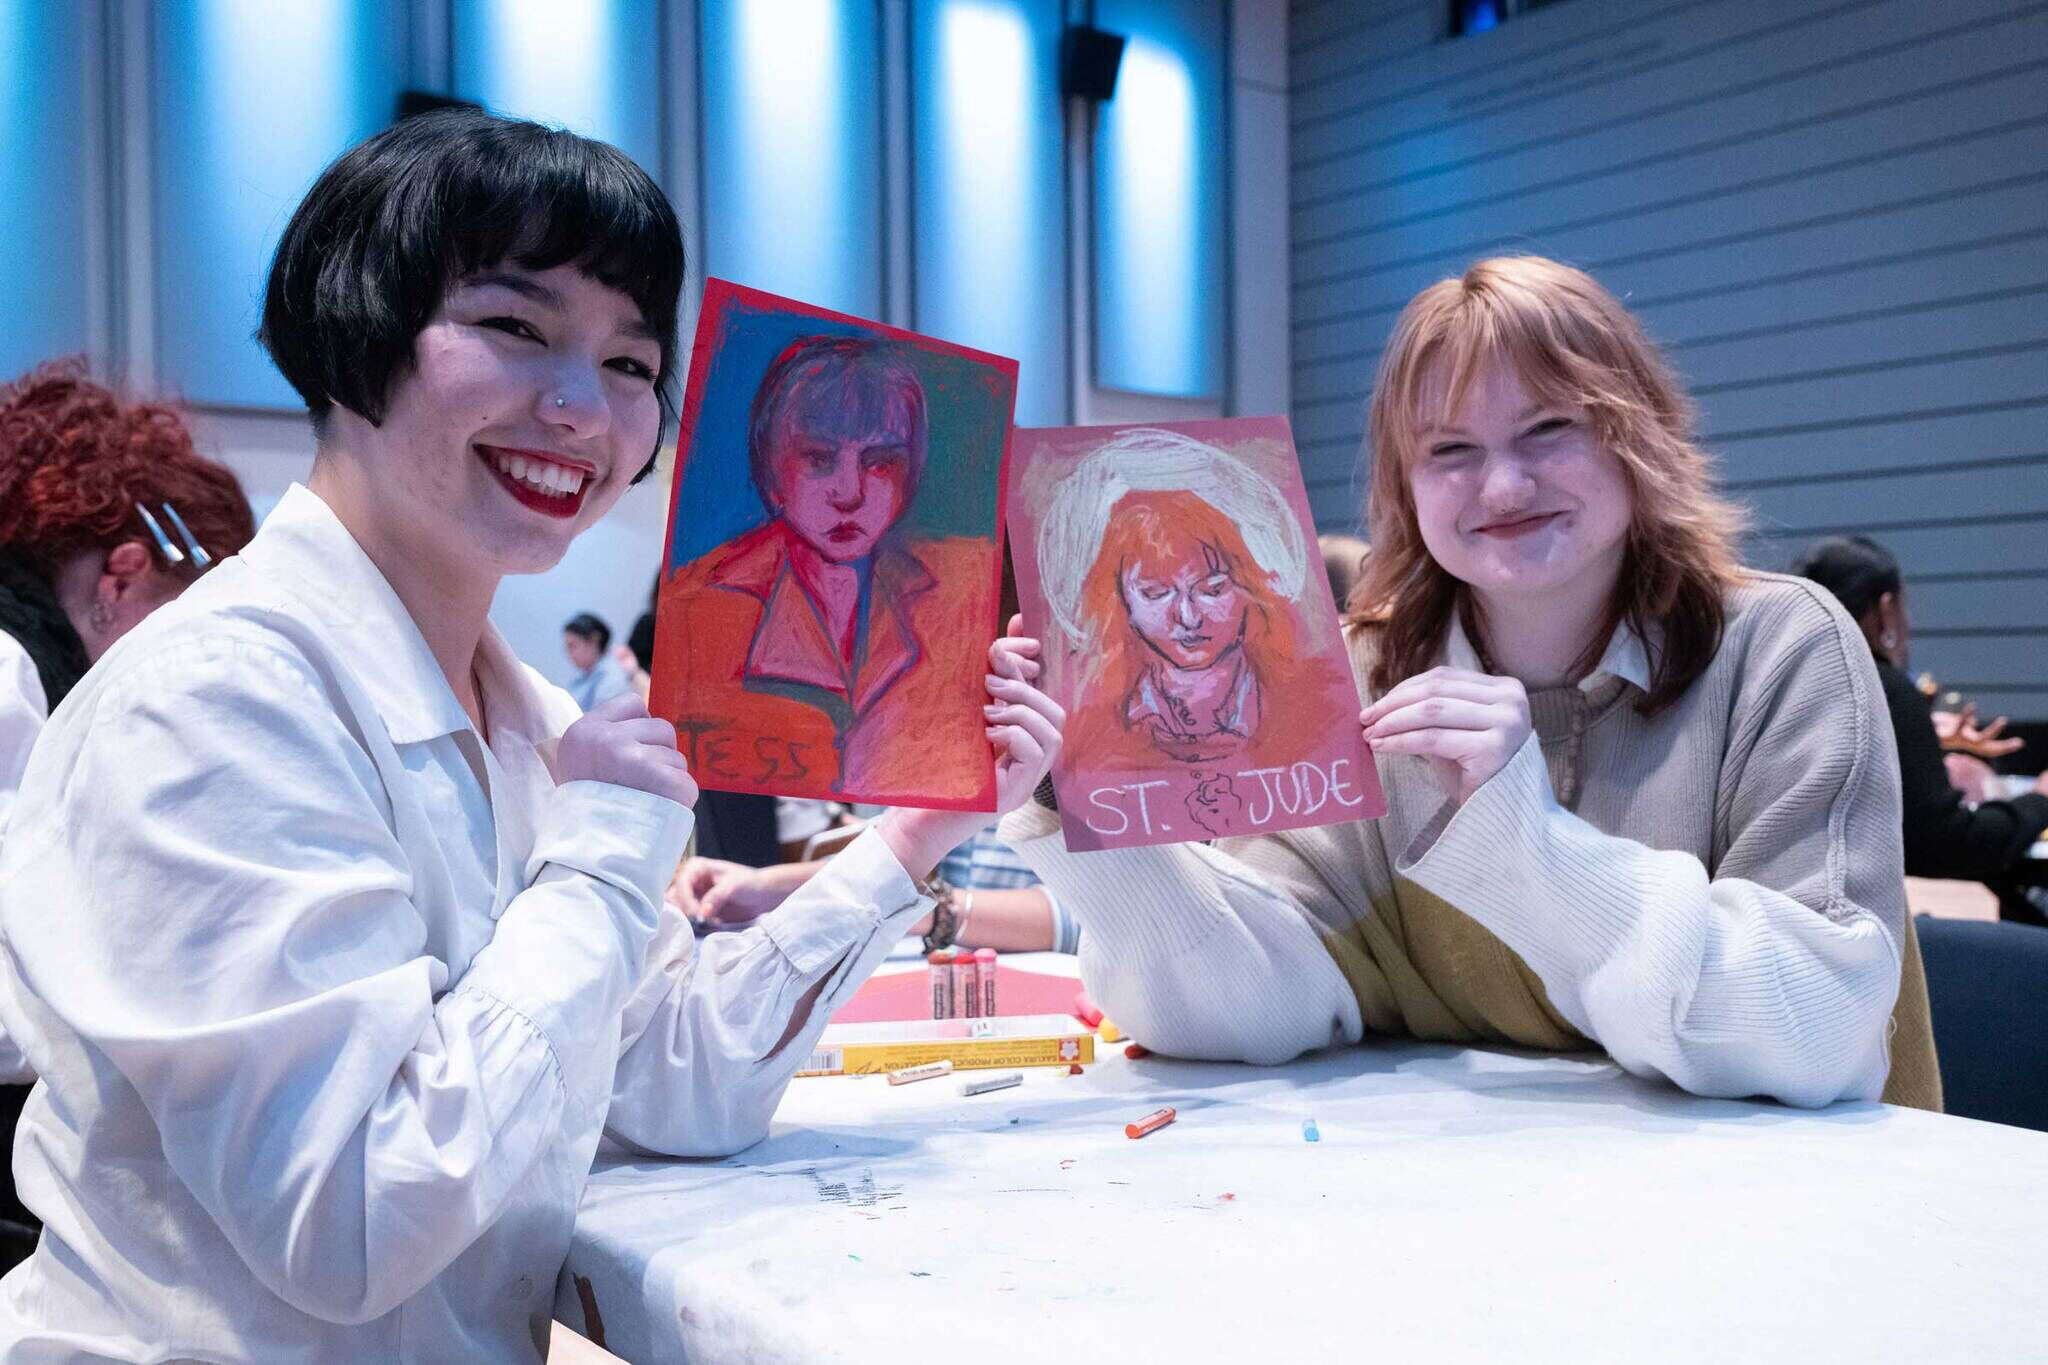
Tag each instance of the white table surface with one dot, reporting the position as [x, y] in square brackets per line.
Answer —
[1463, 1204]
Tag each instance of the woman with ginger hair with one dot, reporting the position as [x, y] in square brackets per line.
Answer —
[1641, 798]
[107, 512]
[1184, 614]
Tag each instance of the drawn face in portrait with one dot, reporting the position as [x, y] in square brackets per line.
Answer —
[1190, 628]
[839, 489]
[1192, 617]
[838, 443]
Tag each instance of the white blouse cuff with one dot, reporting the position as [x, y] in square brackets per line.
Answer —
[631, 839]
[848, 899]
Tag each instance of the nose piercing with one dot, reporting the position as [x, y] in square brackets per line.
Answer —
[560, 401]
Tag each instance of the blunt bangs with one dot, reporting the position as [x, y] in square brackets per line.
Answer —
[397, 221]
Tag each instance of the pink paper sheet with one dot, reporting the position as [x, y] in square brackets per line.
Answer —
[1173, 574]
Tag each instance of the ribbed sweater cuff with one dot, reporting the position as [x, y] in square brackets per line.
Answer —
[1151, 904]
[1514, 860]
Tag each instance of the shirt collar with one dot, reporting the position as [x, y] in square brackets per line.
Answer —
[304, 546]
[1626, 657]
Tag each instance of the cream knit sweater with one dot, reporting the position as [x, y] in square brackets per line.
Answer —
[1714, 895]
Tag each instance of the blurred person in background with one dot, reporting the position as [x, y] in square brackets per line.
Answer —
[599, 675]
[1344, 562]
[1946, 835]
[106, 513]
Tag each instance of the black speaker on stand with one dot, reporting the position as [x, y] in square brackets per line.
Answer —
[1089, 58]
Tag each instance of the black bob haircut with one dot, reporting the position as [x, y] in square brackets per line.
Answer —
[1856, 569]
[587, 627]
[399, 219]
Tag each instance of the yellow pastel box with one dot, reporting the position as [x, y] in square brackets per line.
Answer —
[1007, 1040]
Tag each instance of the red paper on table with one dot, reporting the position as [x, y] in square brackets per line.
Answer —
[908, 995]
[1189, 631]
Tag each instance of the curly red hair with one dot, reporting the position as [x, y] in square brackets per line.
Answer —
[75, 459]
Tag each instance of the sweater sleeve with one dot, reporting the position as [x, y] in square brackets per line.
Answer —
[1197, 952]
[1944, 837]
[1773, 971]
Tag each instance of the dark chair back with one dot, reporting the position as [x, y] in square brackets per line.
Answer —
[1987, 987]
[737, 827]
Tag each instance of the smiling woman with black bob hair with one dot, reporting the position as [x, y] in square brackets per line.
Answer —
[347, 299]
[336, 935]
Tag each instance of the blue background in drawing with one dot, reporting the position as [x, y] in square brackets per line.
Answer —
[967, 404]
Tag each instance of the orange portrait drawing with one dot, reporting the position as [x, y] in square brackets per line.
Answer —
[835, 647]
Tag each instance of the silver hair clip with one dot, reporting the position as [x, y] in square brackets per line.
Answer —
[163, 542]
[200, 559]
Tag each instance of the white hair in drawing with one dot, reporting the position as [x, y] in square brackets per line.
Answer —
[1152, 460]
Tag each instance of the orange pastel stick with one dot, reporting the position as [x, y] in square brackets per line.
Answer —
[1157, 1119]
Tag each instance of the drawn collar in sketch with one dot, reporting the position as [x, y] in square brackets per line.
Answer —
[792, 644]
[1195, 733]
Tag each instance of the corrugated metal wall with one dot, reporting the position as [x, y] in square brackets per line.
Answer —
[1835, 217]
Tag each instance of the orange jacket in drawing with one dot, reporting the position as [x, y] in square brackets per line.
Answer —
[763, 699]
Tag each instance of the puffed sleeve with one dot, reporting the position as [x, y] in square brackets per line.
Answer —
[223, 913]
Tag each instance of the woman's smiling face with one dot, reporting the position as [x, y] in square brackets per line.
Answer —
[1517, 497]
[529, 407]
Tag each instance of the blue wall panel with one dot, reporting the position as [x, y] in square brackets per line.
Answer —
[253, 100]
[792, 139]
[43, 183]
[989, 209]
[1161, 269]
[586, 66]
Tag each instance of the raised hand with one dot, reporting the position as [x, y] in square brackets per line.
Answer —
[619, 743]
[1959, 733]
[732, 893]
[1466, 724]
[1024, 723]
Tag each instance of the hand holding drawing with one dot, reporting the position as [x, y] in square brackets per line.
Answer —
[1468, 725]
[619, 743]
[1023, 726]
[1024, 723]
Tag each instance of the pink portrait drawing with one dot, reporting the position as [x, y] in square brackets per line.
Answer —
[1191, 635]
